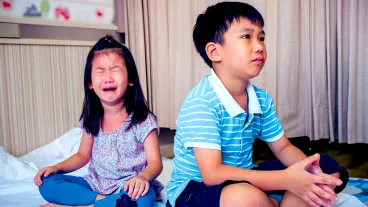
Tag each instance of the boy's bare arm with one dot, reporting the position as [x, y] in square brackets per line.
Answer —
[213, 172]
[287, 153]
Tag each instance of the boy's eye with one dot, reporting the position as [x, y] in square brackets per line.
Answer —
[247, 36]
[262, 39]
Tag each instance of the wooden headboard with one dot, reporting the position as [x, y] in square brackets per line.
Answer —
[41, 90]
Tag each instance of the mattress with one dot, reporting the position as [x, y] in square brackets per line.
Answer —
[17, 187]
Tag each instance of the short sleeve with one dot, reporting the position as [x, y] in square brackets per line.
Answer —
[145, 127]
[271, 129]
[198, 125]
[82, 127]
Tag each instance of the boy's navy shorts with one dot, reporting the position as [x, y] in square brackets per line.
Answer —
[198, 194]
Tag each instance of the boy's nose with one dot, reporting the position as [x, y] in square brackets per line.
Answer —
[258, 48]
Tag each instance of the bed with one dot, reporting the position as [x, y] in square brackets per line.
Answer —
[16, 175]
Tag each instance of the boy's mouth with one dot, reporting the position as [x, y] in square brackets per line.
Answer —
[259, 60]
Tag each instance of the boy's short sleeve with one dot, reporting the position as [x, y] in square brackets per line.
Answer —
[271, 129]
[145, 127]
[198, 125]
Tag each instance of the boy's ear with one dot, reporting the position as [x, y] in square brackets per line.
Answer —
[212, 50]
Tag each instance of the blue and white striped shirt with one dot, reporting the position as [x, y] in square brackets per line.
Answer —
[210, 118]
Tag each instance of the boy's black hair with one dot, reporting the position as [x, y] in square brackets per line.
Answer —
[134, 100]
[216, 20]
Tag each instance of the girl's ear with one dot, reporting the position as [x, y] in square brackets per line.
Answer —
[130, 84]
[90, 86]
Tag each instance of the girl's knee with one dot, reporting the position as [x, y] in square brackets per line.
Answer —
[147, 200]
[48, 187]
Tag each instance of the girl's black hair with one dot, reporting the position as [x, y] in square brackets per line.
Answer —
[134, 100]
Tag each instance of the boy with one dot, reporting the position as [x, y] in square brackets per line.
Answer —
[224, 113]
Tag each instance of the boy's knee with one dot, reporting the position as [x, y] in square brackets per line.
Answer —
[336, 175]
[243, 194]
[330, 166]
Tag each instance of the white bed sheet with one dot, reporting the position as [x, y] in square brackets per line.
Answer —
[16, 173]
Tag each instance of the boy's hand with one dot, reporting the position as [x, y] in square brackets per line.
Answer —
[137, 186]
[44, 172]
[305, 185]
[315, 169]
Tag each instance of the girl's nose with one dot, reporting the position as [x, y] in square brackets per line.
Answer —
[108, 78]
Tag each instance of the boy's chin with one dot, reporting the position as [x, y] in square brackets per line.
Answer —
[256, 71]
[251, 73]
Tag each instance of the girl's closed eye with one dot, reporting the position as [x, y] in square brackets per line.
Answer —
[99, 70]
[116, 69]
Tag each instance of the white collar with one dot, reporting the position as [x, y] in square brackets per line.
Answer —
[231, 106]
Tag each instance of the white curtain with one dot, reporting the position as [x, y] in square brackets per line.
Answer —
[351, 70]
[41, 94]
[317, 58]
[138, 41]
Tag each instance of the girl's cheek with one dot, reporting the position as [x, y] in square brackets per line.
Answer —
[121, 76]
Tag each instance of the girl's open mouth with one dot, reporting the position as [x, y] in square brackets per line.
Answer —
[112, 89]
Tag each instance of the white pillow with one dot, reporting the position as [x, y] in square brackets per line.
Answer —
[57, 151]
[14, 169]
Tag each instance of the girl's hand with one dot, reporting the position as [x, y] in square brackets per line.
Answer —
[305, 185]
[137, 186]
[44, 172]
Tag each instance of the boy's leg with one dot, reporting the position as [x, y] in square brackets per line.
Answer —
[62, 189]
[230, 193]
[244, 195]
[291, 199]
[328, 166]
